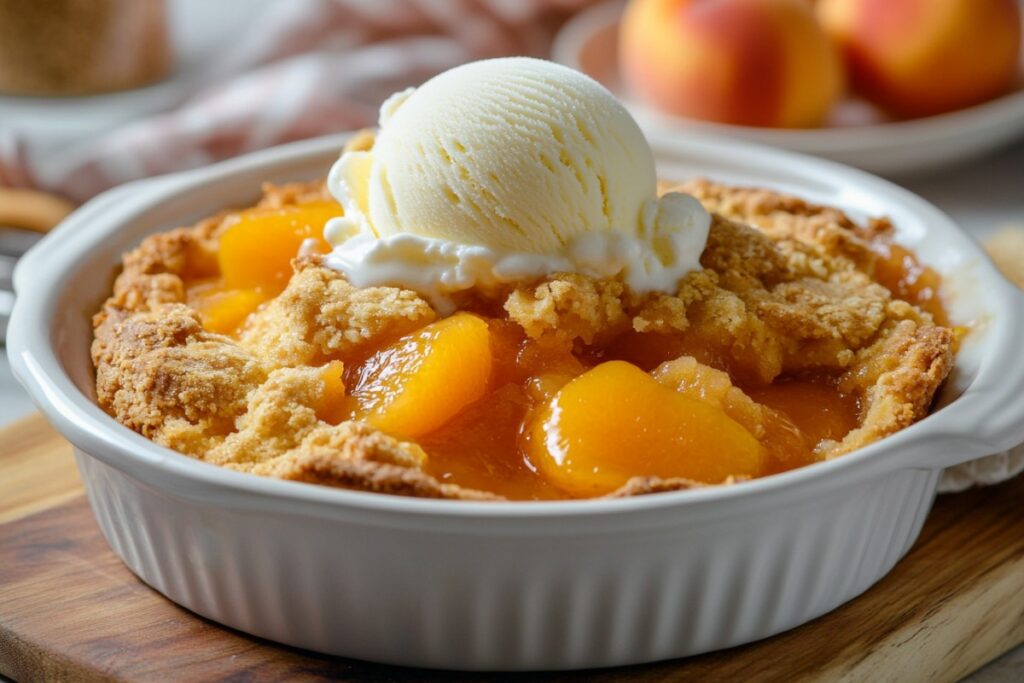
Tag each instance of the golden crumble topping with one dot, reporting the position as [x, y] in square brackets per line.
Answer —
[787, 287]
[320, 315]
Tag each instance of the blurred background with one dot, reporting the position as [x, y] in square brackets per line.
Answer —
[95, 93]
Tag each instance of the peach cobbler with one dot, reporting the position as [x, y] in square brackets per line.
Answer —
[259, 341]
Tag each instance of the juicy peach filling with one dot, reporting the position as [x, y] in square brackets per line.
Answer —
[899, 271]
[416, 385]
[496, 411]
[615, 422]
[254, 260]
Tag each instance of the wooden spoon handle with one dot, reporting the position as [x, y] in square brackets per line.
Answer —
[32, 209]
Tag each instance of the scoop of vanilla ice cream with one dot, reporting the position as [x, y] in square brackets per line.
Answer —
[515, 154]
[504, 170]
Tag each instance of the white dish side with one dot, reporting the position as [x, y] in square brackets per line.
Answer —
[589, 43]
[513, 586]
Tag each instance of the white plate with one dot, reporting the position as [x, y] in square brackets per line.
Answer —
[858, 136]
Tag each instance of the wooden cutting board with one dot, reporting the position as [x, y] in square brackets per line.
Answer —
[69, 610]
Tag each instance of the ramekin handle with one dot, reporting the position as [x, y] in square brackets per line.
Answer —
[990, 414]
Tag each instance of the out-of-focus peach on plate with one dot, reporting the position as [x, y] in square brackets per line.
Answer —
[766, 63]
[918, 58]
[848, 128]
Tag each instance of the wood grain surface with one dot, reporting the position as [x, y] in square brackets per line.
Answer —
[69, 610]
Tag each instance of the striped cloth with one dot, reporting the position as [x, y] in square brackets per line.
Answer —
[304, 68]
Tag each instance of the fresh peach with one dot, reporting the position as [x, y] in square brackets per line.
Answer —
[923, 57]
[746, 62]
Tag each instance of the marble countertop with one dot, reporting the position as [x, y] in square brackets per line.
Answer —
[983, 197]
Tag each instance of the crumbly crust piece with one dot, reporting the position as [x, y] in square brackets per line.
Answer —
[569, 308]
[814, 238]
[897, 376]
[356, 456]
[786, 286]
[159, 373]
[320, 315]
[642, 486]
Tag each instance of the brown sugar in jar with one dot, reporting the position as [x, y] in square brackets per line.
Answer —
[80, 47]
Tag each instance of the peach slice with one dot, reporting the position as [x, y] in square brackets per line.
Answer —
[333, 407]
[615, 422]
[786, 446]
[424, 379]
[256, 252]
[224, 310]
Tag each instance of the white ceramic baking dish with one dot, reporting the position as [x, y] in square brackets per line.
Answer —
[470, 585]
